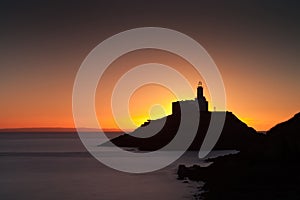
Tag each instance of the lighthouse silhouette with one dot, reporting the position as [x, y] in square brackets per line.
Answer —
[203, 104]
[200, 100]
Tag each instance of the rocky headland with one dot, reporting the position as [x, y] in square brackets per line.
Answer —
[273, 172]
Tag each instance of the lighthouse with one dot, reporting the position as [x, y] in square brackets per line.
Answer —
[203, 104]
[192, 104]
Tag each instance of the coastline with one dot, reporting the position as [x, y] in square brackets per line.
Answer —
[241, 177]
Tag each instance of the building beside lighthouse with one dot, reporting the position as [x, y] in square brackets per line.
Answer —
[200, 100]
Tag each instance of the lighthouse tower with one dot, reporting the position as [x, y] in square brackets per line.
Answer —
[192, 104]
[203, 104]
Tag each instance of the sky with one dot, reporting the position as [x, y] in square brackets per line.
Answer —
[255, 45]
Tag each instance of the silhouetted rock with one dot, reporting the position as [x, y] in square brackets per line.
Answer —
[194, 172]
[238, 177]
[235, 134]
[273, 174]
[155, 134]
[284, 140]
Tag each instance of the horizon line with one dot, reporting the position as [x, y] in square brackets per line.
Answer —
[61, 129]
[69, 129]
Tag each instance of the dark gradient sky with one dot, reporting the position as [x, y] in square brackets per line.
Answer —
[255, 44]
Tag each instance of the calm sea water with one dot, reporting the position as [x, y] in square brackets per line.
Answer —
[56, 166]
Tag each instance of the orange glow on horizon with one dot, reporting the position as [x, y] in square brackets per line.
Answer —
[144, 98]
[42, 102]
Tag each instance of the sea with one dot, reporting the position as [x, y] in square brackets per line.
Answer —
[45, 165]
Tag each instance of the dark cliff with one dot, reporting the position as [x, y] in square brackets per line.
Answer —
[283, 140]
[271, 173]
[235, 134]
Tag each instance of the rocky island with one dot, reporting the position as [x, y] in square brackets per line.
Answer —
[266, 166]
[236, 135]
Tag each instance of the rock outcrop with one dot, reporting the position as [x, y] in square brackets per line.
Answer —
[270, 174]
[283, 140]
[235, 134]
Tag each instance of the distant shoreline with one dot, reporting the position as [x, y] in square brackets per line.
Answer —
[56, 130]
